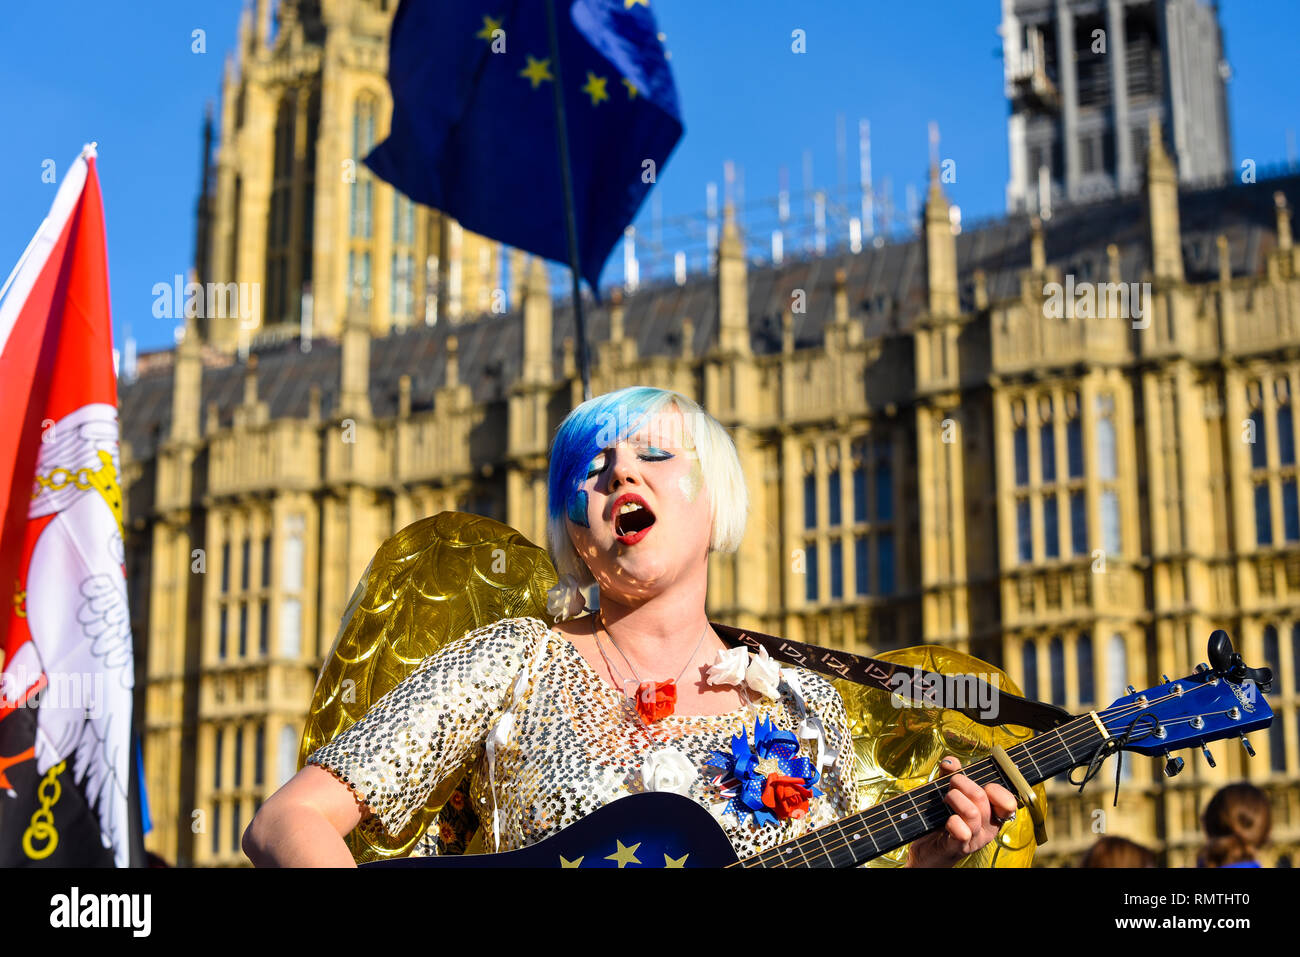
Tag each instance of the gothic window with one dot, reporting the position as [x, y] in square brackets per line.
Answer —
[281, 207]
[1022, 455]
[833, 496]
[259, 759]
[1083, 665]
[1276, 735]
[239, 757]
[402, 272]
[1056, 660]
[288, 757]
[216, 759]
[1029, 666]
[837, 570]
[1051, 533]
[1078, 523]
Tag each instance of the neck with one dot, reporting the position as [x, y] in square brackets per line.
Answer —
[663, 628]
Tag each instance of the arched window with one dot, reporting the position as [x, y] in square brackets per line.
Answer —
[1083, 664]
[1276, 735]
[363, 140]
[1056, 658]
[1029, 667]
[277, 222]
[288, 756]
[216, 759]
[1021, 443]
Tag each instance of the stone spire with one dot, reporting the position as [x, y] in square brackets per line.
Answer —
[187, 384]
[538, 325]
[733, 288]
[940, 251]
[1162, 209]
[354, 385]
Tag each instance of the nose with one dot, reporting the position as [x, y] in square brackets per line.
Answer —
[625, 468]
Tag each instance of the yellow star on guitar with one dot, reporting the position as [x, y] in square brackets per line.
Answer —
[489, 26]
[679, 862]
[624, 855]
[537, 71]
[566, 863]
[631, 88]
[595, 88]
[629, 4]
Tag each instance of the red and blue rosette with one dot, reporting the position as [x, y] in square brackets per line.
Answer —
[749, 780]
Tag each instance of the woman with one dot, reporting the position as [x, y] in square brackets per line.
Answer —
[641, 694]
[1237, 823]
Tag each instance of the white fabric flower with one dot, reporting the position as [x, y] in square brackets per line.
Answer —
[565, 600]
[668, 770]
[730, 667]
[764, 674]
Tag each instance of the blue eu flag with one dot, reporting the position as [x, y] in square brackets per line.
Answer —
[474, 131]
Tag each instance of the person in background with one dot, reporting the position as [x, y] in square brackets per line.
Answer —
[1237, 823]
[1118, 852]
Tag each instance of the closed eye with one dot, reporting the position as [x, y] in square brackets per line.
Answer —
[650, 455]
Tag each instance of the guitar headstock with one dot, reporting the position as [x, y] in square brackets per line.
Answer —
[1223, 699]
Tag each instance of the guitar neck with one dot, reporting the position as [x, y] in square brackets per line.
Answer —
[878, 830]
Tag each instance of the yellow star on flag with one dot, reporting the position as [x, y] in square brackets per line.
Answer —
[489, 25]
[679, 862]
[631, 88]
[537, 71]
[595, 88]
[624, 855]
[565, 863]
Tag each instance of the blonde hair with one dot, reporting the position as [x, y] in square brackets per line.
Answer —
[605, 420]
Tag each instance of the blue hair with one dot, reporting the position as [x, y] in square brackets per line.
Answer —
[590, 429]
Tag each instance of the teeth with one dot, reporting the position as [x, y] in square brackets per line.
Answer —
[628, 507]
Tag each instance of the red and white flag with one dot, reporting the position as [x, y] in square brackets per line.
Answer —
[67, 668]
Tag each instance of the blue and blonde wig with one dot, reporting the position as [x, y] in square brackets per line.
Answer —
[604, 421]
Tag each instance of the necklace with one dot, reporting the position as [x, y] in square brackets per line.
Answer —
[654, 699]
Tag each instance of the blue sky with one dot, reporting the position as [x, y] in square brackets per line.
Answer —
[83, 70]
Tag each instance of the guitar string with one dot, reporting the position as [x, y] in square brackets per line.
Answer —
[872, 818]
[880, 814]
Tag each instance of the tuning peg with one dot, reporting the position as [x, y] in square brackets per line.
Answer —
[1172, 765]
[1246, 744]
[1209, 758]
[1202, 667]
[1132, 690]
[1164, 678]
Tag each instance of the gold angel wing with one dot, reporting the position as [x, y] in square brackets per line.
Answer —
[899, 748]
[431, 583]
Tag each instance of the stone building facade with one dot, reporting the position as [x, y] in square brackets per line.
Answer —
[939, 448]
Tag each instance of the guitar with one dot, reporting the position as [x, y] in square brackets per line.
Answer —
[1221, 700]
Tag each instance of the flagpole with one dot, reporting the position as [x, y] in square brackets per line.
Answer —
[570, 220]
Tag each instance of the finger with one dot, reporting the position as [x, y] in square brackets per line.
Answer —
[1003, 801]
[974, 793]
[950, 764]
[959, 830]
[965, 807]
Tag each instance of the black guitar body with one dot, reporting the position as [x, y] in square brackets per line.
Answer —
[640, 830]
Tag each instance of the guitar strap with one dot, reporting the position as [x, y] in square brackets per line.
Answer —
[923, 688]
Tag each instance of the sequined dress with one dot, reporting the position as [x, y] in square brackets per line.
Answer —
[565, 744]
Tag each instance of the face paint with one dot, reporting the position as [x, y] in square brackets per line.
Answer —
[692, 481]
[578, 508]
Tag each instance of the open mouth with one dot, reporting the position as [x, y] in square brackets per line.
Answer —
[632, 517]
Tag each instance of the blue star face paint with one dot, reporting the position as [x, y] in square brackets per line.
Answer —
[578, 508]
